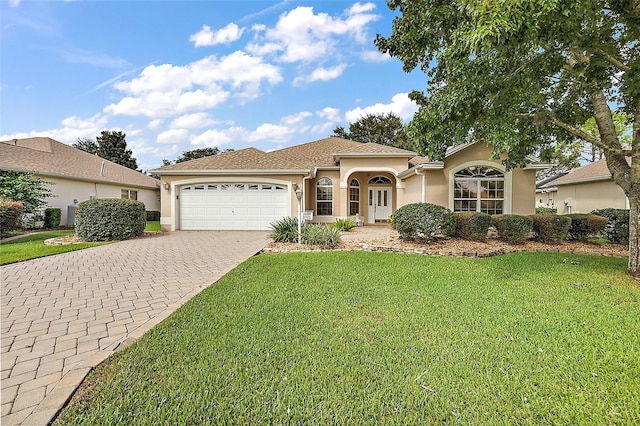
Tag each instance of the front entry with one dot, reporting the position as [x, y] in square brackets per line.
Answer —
[379, 203]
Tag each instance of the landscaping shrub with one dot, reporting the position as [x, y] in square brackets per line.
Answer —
[110, 219]
[10, 216]
[472, 225]
[284, 230]
[424, 221]
[546, 210]
[584, 226]
[321, 235]
[153, 215]
[550, 228]
[344, 224]
[512, 228]
[617, 227]
[52, 217]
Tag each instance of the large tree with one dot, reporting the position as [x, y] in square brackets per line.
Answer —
[110, 145]
[385, 129]
[26, 188]
[524, 76]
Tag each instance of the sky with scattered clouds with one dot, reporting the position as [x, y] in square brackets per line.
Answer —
[181, 75]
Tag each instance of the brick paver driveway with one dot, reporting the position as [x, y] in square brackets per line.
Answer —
[63, 314]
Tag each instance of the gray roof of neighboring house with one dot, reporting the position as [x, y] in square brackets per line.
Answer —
[590, 172]
[304, 157]
[47, 157]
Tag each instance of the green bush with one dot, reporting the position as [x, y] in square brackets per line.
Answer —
[550, 228]
[52, 217]
[617, 228]
[153, 215]
[546, 210]
[344, 224]
[424, 221]
[321, 235]
[584, 226]
[512, 227]
[284, 230]
[110, 219]
[472, 225]
[11, 213]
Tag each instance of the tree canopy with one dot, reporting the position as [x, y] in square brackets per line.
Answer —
[26, 188]
[524, 76]
[194, 154]
[110, 145]
[385, 129]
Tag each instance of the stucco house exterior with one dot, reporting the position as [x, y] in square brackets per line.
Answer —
[77, 175]
[250, 189]
[583, 190]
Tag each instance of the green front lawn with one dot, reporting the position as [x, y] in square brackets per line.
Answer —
[32, 246]
[382, 338]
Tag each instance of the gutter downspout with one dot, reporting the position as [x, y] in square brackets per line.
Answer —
[311, 175]
[424, 184]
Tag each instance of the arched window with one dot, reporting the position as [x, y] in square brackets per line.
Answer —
[379, 180]
[479, 189]
[354, 197]
[324, 197]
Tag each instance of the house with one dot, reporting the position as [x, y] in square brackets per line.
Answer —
[334, 177]
[583, 190]
[77, 175]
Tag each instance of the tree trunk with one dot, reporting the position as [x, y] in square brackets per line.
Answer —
[634, 237]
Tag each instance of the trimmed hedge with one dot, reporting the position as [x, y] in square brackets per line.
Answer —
[424, 221]
[52, 217]
[617, 228]
[153, 215]
[11, 213]
[546, 210]
[512, 228]
[472, 225]
[584, 226]
[110, 219]
[550, 228]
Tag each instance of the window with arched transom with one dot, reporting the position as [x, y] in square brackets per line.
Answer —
[324, 197]
[479, 189]
[354, 197]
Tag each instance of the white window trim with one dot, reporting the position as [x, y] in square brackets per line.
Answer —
[508, 182]
[325, 201]
[359, 195]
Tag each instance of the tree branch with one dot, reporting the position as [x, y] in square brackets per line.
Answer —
[575, 131]
[614, 61]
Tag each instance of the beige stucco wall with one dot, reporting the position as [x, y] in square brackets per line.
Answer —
[70, 192]
[588, 196]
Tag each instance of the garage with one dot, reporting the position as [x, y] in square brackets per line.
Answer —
[233, 205]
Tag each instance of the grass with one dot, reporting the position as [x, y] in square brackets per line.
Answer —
[152, 226]
[382, 338]
[32, 246]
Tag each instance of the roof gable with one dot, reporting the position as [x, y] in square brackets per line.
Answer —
[48, 157]
[589, 172]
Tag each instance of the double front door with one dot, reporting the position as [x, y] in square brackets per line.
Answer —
[379, 203]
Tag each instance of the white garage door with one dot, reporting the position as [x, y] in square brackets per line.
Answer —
[242, 206]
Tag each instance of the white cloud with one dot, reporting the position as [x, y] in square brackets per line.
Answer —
[72, 129]
[174, 136]
[303, 35]
[155, 124]
[166, 90]
[400, 105]
[206, 37]
[374, 56]
[325, 74]
[217, 138]
[192, 121]
[14, 3]
[331, 114]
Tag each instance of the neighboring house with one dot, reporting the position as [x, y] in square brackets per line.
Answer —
[77, 175]
[250, 189]
[546, 191]
[583, 190]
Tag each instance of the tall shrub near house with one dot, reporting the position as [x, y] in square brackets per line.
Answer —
[110, 219]
[52, 217]
[584, 226]
[617, 228]
[550, 228]
[10, 216]
[423, 221]
[472, 225]
[512, 228]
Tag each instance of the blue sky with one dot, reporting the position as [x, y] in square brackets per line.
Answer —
[180, 75]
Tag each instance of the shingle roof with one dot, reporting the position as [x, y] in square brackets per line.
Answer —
[303, 157]
[48, 157]
[592, 171]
